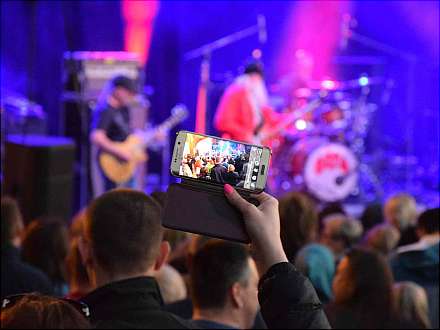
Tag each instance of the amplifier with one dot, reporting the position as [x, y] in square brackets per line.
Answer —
[86, 73]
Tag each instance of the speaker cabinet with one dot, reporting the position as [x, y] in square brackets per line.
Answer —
[38, 172]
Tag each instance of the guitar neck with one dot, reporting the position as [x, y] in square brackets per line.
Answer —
[292, 117]
[148, 135]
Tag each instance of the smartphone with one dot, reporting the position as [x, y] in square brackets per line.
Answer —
[217, 161]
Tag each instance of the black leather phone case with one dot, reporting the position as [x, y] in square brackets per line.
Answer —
[202, 209]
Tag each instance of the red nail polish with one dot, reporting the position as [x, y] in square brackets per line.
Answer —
[228, 188]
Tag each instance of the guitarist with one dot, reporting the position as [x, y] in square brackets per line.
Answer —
[243, 111]
[111, 124]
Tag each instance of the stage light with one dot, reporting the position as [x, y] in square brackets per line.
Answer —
[301, 124]
[328, 84]
[363, 81]
[256, 53]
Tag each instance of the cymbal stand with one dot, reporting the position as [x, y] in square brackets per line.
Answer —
[411, 59]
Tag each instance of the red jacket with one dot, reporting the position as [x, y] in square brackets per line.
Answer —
[235, 117]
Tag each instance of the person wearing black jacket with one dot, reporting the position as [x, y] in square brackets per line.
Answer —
[287, 298]
[123, 250]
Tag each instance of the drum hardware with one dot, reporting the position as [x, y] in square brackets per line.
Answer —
[324, 155]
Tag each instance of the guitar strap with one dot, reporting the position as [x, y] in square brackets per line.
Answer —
[259, 126]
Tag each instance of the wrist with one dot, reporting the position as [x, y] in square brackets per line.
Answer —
[268, 255]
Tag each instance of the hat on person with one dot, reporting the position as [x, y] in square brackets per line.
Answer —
[254, 66]
[125, 82]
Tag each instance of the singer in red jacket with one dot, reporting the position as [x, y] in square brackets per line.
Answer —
[243, 113]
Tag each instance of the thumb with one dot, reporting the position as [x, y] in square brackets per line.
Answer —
[236, 200]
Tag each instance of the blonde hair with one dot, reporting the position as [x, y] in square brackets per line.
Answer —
[401, 211]
[412, 303]
[171, 284]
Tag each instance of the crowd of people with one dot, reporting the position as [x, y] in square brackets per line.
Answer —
[115, 266]
[225, 169]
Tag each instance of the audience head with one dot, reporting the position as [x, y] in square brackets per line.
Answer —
[12, 223]
[317, 262]
[224, 281]
[298, 221]
[329, 209]
[45, 246]
[382, 238]
[34, 311]
[412, 304]
[401, 211]
[196, 243]
[340, 233]
[363, 281]
[171, 284]
[231, 168]
[218, 160]
[123, 237]
[427, 223]
[371, 216]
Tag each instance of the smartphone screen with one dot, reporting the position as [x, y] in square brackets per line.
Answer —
[221, 161]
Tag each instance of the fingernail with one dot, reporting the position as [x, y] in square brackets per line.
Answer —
[228, 188]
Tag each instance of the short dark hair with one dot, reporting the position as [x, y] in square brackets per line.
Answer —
[125, 231]
[11, 220]
[35, 311]
[214, 269]
[428, 221]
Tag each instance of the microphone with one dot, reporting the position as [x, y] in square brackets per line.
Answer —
[345, 31]
[262, 33]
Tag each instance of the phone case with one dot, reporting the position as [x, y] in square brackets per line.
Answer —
[203, 209]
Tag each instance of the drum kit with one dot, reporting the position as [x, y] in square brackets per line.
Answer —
[323, 151]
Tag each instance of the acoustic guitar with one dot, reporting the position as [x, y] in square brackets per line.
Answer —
[120, 171]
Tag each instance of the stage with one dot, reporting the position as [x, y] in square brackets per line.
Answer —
[356, 82]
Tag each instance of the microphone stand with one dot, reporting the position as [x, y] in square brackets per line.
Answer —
[205, 52]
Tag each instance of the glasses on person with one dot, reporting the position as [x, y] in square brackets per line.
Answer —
[81, 307]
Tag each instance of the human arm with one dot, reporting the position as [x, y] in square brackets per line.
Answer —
[287, 298]
[100, 139]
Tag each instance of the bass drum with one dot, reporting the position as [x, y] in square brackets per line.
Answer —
[329, 170]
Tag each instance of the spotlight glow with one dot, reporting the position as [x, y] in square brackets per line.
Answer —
[301, 124]
[328, 84]
[363, 81]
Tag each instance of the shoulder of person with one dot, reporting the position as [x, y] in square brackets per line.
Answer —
[27, 277]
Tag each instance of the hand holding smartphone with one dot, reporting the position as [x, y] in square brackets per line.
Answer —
[215, 161]
[206, 164]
